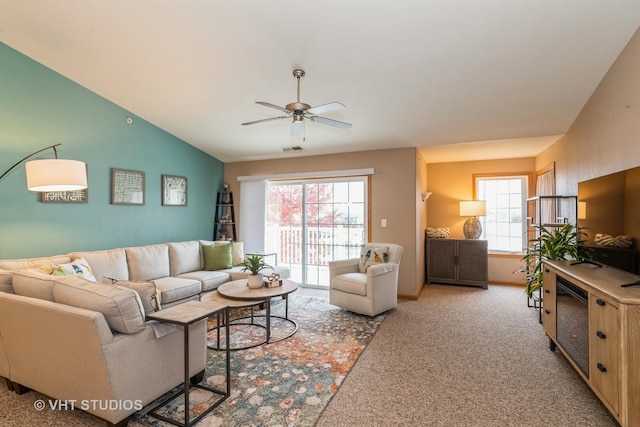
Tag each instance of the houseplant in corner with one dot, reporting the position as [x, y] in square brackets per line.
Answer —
[551, 244]
[255, 264]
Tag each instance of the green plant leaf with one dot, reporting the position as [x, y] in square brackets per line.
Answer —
[552, 244]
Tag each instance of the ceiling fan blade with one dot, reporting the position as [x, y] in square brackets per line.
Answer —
[325, 108]
[265, 120]
[331, 122]
[267, 104]
[297, 128]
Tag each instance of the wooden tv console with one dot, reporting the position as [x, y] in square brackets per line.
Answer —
[613, 332]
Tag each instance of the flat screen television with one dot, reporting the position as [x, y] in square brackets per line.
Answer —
[612, 206]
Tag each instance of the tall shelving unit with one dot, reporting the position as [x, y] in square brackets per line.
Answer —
[224, 226]
[549, 212]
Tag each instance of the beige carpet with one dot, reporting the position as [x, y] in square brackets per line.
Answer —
[463, 356]
[459, 356]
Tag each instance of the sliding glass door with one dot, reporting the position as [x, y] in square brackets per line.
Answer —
[312, 222]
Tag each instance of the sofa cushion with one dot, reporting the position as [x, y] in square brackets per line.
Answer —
[145, 290]
[25, 263]
[5, 281]
[210, 279]
[6, 276]
[176, 288]
[110, 263]
[370, 255]
[217, 257]
[34, 284]
[353, 283]
[120, 306]
[77, 267]
[148, 262]
[184, 257]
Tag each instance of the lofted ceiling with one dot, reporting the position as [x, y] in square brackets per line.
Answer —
[459, 79]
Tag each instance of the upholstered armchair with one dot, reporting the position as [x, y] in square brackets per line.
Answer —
[371, 292]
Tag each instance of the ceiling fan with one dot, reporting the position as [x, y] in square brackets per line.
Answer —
[299, 111]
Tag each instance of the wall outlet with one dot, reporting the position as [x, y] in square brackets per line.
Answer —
[383, 223]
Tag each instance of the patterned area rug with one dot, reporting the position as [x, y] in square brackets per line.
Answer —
[286, 383]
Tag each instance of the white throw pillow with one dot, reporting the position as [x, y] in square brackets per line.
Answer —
[370, 255]
[237, 253]
[77, 267]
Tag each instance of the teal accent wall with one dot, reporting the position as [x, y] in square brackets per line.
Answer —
[38, 108]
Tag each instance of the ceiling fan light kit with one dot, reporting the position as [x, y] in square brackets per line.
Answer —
[298, 111]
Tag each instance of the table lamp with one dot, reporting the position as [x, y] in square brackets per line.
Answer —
[472, 209]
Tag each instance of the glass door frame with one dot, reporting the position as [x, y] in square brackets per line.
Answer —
[349, 251]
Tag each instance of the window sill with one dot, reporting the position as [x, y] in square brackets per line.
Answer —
[496, 254]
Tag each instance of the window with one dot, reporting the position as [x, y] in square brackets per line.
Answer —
[312, 222]
[504, 225]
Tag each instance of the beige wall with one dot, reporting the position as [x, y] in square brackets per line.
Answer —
[393, 196]
[605, 137]
[452, 182]
[421, 218]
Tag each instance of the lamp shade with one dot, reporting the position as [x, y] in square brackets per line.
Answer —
[473, 208]
[56, 175]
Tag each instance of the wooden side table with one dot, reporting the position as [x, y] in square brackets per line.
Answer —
[185, 315]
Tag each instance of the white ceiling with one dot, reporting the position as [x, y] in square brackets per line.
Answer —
[460, 79]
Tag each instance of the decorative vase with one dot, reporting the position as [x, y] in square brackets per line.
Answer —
[472, 228]
[255, 281]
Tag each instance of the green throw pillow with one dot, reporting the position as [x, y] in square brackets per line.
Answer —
[217, 257]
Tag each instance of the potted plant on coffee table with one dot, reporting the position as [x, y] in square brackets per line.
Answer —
[255, 264]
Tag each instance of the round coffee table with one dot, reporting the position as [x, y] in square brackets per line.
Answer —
[232, 304]
[237, 294]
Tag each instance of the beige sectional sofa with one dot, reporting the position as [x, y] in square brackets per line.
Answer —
[77, 340]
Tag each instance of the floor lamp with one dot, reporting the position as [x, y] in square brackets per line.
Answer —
[53, 174]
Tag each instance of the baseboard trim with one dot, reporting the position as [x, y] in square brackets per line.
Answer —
[493, 282]
[417, 297]
[409, 297]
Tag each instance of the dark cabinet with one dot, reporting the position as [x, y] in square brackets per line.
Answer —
[457, 261]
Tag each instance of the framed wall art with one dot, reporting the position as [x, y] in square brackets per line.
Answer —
[76, 196]
[127, 187]
[174, 190]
